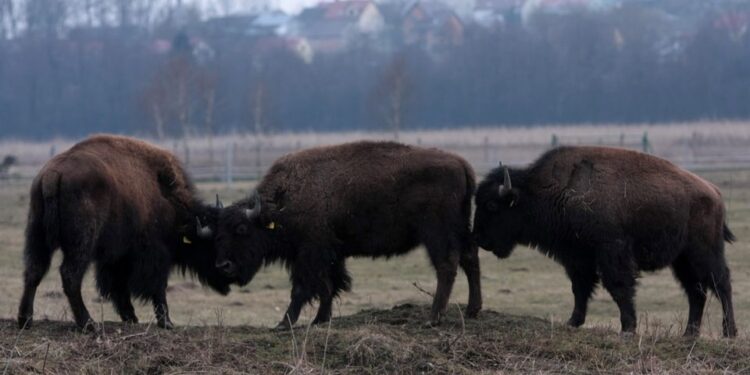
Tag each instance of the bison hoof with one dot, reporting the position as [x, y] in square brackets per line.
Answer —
[88, 327]
[472, 313]
[691, 332]
[627, 335]
[25, 322]
[282, 327]
[730, 332]
[431, 323]
[166, 324]
[320, 321]
[575, 322]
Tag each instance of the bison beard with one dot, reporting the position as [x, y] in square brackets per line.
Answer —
[606, 214]
[317, 207]
[129, 208]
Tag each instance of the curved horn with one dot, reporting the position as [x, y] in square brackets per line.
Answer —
[218, 202]
[506, 186]
[251, 213]
[203, 232]
[506, 179]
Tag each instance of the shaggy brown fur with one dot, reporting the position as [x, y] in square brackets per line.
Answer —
[128, 207]
[358, 199]
[608, 213]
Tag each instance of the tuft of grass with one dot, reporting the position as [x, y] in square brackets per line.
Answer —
[371, 341]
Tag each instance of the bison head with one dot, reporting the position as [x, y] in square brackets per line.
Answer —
[497, 223]
[197, 253]
[241, 240]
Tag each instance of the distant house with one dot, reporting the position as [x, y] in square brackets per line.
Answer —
[531, 7]
[431, 24]
[735, 23]
[263, 24]
[491, 14]
[331, 27]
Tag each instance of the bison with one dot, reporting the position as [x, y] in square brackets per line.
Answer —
[317, 207]
[606, 214]
[126, 206]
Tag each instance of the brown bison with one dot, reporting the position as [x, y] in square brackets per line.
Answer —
[606, 214]
[317, 207]
[130, 208]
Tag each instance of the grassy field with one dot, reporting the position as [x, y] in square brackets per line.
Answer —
[527, 299]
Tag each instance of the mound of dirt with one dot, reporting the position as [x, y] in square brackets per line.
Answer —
[371, 341]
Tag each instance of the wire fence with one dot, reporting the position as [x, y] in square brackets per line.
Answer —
[240, 158]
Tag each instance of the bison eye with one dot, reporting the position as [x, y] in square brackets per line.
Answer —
[491, 206]
[241, 229]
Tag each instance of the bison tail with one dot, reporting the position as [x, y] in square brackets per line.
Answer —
[728, 235]
[471, 186]
[50, 184]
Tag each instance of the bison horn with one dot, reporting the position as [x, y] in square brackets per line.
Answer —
[218, 202]
[251, 213]
[203, 232]
[506, 179]
[506, 186]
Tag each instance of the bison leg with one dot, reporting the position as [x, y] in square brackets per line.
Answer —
[446, 265]
[469, 262]
[339, 280]
[161, 310]
[300, 297]
[618, 277]
[721, 285]
[71, 271]
[696, 294]
[112, 281]
[584, 279]
[326, 305]
[38, 258]
[121, 299]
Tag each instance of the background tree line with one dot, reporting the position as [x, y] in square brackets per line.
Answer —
[68, 68]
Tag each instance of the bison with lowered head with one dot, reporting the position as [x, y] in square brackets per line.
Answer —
[605, 214]
[317, 207]
[126, 206]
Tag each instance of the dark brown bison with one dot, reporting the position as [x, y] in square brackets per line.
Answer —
[605, 214]
[128, 207]
[317, 207]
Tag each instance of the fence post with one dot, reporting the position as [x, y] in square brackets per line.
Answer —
[229, 166]
[257, 160]
[645, 143]
[52, 150]
[622, 139]
[555, 141]
[187, 154]
[486, 149]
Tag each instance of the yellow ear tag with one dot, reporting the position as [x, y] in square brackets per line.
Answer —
[271, 225]
[186, 240]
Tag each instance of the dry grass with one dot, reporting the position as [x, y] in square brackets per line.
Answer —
[371, 341]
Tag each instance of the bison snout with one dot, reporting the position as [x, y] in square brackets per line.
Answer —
[225, 266]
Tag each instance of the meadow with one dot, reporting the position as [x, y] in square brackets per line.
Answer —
[377, 326]
[527, 294]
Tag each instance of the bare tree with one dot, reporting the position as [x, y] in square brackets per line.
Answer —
[393, 93]
[259, 106]
[181, 90]
[207, 91]
[8, 19]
